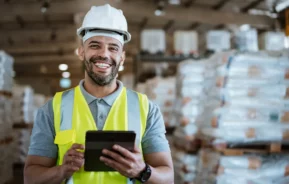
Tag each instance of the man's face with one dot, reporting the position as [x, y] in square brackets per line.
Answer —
[102, 57]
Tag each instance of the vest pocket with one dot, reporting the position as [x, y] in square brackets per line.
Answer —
[64, 139]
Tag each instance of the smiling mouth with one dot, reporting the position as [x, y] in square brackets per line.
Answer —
[102, 65]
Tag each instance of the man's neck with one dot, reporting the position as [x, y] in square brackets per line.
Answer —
[99, 91]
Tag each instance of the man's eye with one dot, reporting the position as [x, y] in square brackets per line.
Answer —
[94, 46]
[114, 48]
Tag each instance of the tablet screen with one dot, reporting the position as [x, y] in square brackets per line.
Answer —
[96, 141]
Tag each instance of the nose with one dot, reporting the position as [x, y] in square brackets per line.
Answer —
[103, 52]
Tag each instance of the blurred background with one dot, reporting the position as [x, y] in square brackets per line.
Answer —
[218, 69]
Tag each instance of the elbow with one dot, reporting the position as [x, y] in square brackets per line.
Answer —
[26, 175]
[170, 179]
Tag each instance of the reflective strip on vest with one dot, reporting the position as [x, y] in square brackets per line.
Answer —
[67, 118]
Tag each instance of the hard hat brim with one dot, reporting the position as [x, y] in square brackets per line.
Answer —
[127, 36]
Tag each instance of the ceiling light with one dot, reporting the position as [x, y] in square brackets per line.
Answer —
[65, 74]
[65, 83]
[174, 2]
[43, 69]
[63, 67]
[159, 12]
[45, 7]
[121, 68]
[263, 12]
[245, 27]
[286, 42]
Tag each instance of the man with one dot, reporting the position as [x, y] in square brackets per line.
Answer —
[100, 102]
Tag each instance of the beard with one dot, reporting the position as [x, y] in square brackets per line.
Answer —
[98, 78]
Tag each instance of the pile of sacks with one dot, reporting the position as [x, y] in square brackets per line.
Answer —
[6, 72]
[161, 91]
[253, 169]
[250, 98]
[6, 122]
[195, 78]
[23, 104]
[185, 166]
[22, 134]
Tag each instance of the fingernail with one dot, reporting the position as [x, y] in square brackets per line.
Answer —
[115, 147]
[101, 158]
[104, 151]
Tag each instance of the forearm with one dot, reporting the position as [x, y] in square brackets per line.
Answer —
[36, 174]
[162, 174]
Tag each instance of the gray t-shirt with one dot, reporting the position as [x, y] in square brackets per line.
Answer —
[43, 133]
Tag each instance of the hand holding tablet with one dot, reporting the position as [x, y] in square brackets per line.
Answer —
[98, 141]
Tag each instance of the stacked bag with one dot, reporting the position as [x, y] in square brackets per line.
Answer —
[22, 134]
[250, 95]
[249, 106]
[6, 122]
[194, 80]
[161, 91]
[185, 166]
[6, 72]
[23, 104]
[254, 169]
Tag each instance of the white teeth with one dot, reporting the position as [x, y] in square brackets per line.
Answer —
[102, 65]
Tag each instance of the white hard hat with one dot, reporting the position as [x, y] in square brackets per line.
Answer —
[105, 18]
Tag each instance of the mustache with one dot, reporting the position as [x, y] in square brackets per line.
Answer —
[94, 59]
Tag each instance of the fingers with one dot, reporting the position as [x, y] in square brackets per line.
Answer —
[77, 146]
[113, 164]
[118, 158]
[75, 153]
[124, 152]
[74, 161]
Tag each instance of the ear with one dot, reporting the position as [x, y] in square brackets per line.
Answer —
[122, 58]
[80, 52]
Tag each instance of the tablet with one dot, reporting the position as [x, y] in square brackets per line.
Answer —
[96, 141]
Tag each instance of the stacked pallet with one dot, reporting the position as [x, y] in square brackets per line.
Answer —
[185, 166]
[23, 104]
[24, 110]
[243, 169]
[250, 115]
[6, 123]
[194, 80]
[161, 91]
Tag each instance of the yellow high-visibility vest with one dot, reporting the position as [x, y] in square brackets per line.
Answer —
[72, 118]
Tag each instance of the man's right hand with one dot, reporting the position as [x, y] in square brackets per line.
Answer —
[73, 160]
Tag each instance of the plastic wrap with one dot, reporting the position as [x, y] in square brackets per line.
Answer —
[23, 104]
[218, 40]
[153, 41]
[6, 72]
[184, 166]
[272, 41]
[185, 42]
[247, 40]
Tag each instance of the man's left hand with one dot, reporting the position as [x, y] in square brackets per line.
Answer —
[128, 164]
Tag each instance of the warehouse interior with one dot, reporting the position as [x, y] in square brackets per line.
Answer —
[218, 70]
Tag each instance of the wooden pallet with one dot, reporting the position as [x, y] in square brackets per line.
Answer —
[6, 94]
[6, 141]
[23, 126]
[260, 148]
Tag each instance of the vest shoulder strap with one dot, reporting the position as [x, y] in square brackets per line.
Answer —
[59, 100]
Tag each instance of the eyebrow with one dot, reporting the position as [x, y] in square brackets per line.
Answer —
[94, 42]
[114, 44]
[111, 44]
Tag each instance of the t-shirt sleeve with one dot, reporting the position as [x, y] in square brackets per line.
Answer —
[154, 139]
[43, 133]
